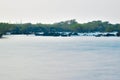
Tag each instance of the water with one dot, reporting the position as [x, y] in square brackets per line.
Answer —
[59, 58]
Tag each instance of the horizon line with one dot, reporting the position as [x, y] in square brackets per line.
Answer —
[37, 22]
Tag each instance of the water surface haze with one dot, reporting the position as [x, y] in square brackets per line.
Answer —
[59, 58]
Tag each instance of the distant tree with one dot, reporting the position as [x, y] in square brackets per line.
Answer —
[5, 27]
[63, 26]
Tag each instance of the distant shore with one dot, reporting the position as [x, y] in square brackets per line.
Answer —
[70, 34]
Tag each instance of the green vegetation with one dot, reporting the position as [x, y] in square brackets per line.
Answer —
[64, 26]
[5, 27]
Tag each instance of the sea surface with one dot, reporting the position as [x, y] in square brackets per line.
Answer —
[59, 58]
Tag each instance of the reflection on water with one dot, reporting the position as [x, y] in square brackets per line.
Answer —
[59, 58]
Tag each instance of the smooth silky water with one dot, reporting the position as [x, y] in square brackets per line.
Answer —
[59, 58]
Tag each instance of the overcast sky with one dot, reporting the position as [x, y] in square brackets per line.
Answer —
[50, 11]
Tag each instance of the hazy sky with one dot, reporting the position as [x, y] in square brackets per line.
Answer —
[49, 11]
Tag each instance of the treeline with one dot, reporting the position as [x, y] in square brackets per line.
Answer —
[64, 26]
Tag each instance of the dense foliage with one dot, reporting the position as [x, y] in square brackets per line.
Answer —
[64, 26]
